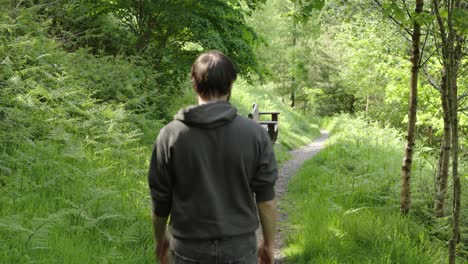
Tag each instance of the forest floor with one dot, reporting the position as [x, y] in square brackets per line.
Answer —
[287, 170]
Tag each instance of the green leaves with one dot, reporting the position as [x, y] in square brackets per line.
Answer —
[161, 30]
[402, 13]
[394, 9]
[303, 9]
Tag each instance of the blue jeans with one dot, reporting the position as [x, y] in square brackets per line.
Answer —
[230, 250]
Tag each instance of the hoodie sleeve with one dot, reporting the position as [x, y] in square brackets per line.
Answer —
[159, 177]
[263, 183]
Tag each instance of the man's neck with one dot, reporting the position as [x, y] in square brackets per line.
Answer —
[202, 101]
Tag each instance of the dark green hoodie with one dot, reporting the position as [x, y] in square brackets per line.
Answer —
[205, 167]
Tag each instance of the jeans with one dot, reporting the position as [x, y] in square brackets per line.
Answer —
[231, 250]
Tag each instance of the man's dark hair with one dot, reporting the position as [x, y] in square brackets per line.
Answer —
[213, 74]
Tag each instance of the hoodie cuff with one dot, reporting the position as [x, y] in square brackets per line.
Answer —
[267, 193]
[161, 208]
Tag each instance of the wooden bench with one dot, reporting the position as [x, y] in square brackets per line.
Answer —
[271, 125]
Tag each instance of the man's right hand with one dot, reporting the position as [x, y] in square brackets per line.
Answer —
[162, 251]
[267, 213]
[266, 255]
[161, 238]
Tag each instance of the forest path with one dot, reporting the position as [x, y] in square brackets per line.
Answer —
[289, 168]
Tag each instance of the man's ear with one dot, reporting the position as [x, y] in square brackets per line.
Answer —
[230, 90]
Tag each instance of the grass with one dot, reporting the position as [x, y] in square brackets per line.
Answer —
[76, 133]
[295, 129]
[344, 202]
[76, 208]
[73, 169]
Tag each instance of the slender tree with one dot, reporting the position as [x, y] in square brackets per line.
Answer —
[444, 154]
[294, 43]
[413, 99]
[451, 43]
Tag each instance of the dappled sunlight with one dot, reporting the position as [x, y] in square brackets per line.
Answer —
[87, 86]
[343, 205]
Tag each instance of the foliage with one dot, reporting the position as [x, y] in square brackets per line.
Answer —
[166, 33]
[295, 129]
[72, 158]
[86, 85]
[76, 131]
[296, 65]
[345, 202]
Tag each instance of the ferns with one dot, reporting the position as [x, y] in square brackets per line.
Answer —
[76, 132]
[71, 159]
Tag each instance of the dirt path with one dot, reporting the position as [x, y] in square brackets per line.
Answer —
[288, 169]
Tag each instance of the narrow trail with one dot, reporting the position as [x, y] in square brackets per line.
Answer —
[289, 168]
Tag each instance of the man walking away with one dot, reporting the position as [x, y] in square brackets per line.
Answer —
[213, 171]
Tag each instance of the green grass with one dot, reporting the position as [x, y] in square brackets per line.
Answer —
[344, 203]
[295, 129]
[75, 140]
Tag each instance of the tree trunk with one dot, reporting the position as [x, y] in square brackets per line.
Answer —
[454, 62]
[409, 150]
[294, 43]
[429, 136]
[444, 155]
[293, 97]
[452, 55]
[367, 105]
[456, 178]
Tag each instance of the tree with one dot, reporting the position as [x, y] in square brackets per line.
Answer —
[451, 41]
[396, 14]
[444, 153]
[301, 13]
[165, 33]
[410, 136]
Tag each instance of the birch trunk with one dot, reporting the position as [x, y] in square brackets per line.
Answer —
[444, 156]
[452, 55]
[409, 150]
[455, 57]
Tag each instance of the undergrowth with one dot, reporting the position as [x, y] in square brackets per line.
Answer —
[344, 203]
[295, 129]
[75, 139]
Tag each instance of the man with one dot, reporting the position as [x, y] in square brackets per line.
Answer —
[212, 170]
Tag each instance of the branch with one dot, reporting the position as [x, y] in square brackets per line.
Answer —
[428, 58]
[440, 22]
[424, 47]
[432, 82]
[407, 9]
[438, 50]
[394, 20]
[463, 110]
[461, 97]
[403, 34]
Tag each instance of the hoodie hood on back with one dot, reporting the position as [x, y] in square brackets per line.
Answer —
[210, 115]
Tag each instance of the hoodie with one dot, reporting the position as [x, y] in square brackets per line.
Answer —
[208, 168]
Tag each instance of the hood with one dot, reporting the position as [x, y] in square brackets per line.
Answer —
[210, 115]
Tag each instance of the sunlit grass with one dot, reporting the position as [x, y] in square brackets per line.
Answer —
[79, 194]
[295, 129]
[344, 203]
